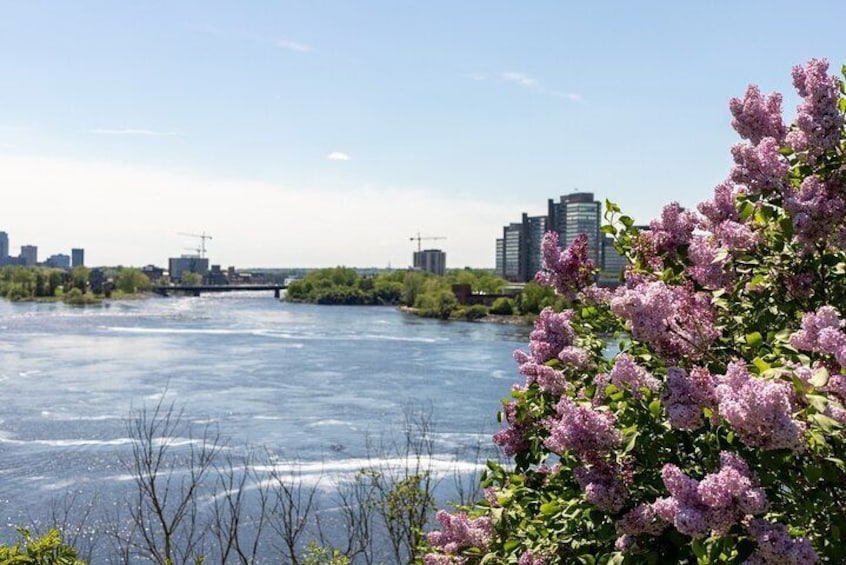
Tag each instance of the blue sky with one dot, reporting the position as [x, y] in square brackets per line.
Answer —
[125, 123]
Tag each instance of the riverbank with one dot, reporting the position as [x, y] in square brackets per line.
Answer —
[511, 320]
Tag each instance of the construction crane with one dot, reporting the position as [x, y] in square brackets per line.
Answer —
[203, 237]
[419, 238]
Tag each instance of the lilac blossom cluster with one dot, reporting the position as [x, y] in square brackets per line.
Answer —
[602, 486]
[512, 439]
[566, 271]
[760, 168]
[551, 334]
[817, 207]
[757, 116]
[707, 269]
[822, 332]
[776, 547]
[675, 320]
[672, 230]
[640, 520]
[714, 504]
[686, 395]
[457, 532]
[818, 119]
[759, 410]
[528, 558]
[587, 432]
[628, 375]
[721, 207]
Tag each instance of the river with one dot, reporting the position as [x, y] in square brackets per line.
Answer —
[307, 383]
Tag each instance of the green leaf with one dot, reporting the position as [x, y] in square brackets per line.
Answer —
[820, 403]
[760, 363]
[627, 221]
[820, 377]
[754, 339]
[655, 407]
[549, 508]
[826, 424]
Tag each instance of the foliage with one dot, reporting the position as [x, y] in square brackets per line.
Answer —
[536, 297]
[341, 285]
[503, 306]
[75, 297]
[191, 279]
[470, 313]
[319, 555]
[714, 432]
[131, 281]
[48, 549]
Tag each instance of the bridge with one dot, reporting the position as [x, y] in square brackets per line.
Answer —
[196, 290]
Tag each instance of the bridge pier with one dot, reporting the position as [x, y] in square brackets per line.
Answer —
[276, 293]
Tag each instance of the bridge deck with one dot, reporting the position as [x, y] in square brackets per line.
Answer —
[196, 290]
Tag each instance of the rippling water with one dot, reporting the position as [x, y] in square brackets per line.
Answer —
[310, 383]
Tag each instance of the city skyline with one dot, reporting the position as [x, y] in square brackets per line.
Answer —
[317, 135]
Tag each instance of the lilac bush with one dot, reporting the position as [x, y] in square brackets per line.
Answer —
[695, 413]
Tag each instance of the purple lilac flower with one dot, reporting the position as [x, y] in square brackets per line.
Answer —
[528, 558]
[736, 236]
[817, 208]
[714, 504]
[776, 547]
[821, 332]
[818, 119]
[758, 410]
[552, 333]
[686, 395]
[551, 380]
[760, 168]
[672, 230]
[756, 116]
[589, 433]
[706, 269]
[721, 207]
[642, 519]
[512, 439]
[460, 532]
[566, 271]
[628, 375]
[676, 320]
[602, 486]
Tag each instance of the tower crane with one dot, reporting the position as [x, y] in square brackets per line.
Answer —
[202, 237]
[419, 238]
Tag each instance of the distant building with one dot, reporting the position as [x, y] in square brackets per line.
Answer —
[177, 266]
[534, 228]
[500, 256]
[216, 276]
[152, 272]
[614, 264]
[574, 214]
[513, 264]
[77, 257]
[29, 255]
[431, 260]
[4, 248]
[58, 261]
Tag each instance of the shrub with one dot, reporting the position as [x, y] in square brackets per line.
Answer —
[503, 307]
[470, 313]
[715, 433]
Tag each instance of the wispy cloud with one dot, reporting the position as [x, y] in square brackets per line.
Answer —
[280, 42]
[477, 76]
[521, 78]
[526, 81]
[291, 45]
[132, 131]
[338, 156]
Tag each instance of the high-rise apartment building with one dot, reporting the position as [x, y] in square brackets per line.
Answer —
[500, 256]
[430, 260]
[78, 257]
[520, 255]
[4, 248]
[575, 214]
[29, 255]
[513, 262]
